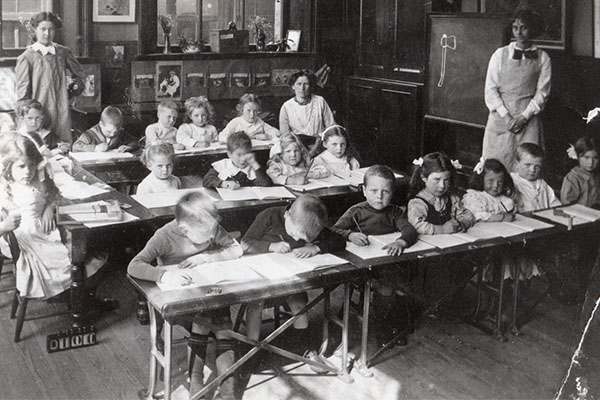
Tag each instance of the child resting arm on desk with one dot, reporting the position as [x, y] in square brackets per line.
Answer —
[195, 237]
[239, 169]
[301, 229]
[107, 135]
[377, 216]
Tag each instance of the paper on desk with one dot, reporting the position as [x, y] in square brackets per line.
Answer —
[212, 146]
[563, 220]
[73, 189]
[84, 213]
[164, 199]
[418, 246]
[255, 193]
[313, 184]
[443, 241]
[274, 266]
[357, 176]
[374, 248]
[89, 156]
[528, 224]
[581, 211]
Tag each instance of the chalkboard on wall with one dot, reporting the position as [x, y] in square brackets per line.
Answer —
[460, 47]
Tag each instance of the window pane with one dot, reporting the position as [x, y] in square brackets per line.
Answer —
[14, 33]
[261, 13]
[185, 22]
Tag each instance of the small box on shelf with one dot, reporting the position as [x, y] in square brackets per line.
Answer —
[228, 41]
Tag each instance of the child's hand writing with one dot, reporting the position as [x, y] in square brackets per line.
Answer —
[261, 136]
[178, 146]
[297, 179]
[101, 147]
[201, 143]
[123, 149]
[192, 261]
[306, 251]
[359, 239]
[64, 148]
[47, 220]
[280, 247]
[233, 185]
[11, 222]
[509, 217]
[451, 226]
[176, 277]
[395, 248]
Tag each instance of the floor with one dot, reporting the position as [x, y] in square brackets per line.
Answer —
[443, 360]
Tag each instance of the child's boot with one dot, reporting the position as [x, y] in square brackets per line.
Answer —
[384, 318]
[225, 357]
[197, 354]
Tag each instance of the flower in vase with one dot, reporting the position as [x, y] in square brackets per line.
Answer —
[166, 23]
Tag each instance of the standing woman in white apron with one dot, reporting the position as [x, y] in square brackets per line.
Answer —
[517, 86]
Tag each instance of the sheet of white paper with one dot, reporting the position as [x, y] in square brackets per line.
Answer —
[76, 190]
[90, 156]
[255, 193]
[418, 246]
[163, 199]
[443, 241]
[563, 220]
[581, 211]
[274, 266]
[528, 224]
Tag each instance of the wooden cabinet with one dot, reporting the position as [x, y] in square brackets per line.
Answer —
[383, 120]
[391, 39]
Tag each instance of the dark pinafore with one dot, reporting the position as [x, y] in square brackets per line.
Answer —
[436, 217]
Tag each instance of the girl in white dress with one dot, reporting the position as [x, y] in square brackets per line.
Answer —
[198, 132]
[159, 158]
[335, 157]
[289, 161]
[43, 269]
[248, 121]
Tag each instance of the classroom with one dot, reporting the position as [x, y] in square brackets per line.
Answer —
[299, 199]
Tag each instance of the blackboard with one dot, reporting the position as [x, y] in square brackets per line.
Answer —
[470, 40]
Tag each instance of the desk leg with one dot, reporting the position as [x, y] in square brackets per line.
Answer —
[498, 334]
[154, 353]
[345, 376]
[167, 332]
[363, 362]
[77, 295]
[514, 328]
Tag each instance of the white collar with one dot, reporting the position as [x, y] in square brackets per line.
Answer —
[226, 169]
[513, 46]
[43, 49]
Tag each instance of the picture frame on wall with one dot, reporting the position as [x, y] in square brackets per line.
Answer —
[113, 10]
[293, 39]
[169, 80]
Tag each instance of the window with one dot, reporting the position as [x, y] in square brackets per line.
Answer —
[194, 19]
[14, 14]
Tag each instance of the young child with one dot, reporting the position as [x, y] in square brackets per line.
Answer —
[159, 158]
[517, 87]
[489, 198]
[377, 216]
[31, 120]
[107, 135]
[239, 169]
[335, 157]
[533, 193]
[288, 163]
[28, 198]
[434, 209]
[248, 121]
[300, 228]
[164, 129]
[582, 184]
[198, 133]
[195, 237]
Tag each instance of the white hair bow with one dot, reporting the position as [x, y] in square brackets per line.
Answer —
[592, 114]
[456, 164]
[479, 166]
[571, 152]
[418, 162]
[275, 149]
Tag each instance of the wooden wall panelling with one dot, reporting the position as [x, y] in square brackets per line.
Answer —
[143, 78]
[116, 78]
[194, 79]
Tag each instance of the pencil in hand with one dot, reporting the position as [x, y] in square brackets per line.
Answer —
[360, 230]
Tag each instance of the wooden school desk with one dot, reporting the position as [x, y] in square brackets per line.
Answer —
[77, 237]
[373, 265]
[172, 305]
[131, 170]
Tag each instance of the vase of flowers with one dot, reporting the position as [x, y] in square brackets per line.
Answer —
[166, 23]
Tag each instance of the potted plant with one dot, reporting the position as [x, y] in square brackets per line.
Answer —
[261, 30]
[166, 23]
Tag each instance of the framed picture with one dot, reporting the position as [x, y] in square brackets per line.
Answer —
[261, 79]
[113, 11]
[114, 56]
[293, 40]
[240, 79]
[169, 80]
[553, 13]
[144, 81]
[279, 77]
[194, 79]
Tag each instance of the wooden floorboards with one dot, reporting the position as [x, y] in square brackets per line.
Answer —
[443, 360]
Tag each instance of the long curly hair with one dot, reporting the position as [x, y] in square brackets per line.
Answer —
[15, 147]
[287, 140]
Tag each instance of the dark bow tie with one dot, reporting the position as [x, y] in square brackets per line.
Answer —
[518, 54]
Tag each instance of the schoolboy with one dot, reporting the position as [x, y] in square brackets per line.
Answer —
[377, 216]
[107, 135]
[239, 169]
[167, 112]
[300, 228]
[31, 124]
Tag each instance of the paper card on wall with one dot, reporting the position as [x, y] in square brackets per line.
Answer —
[261, 79]
[240, 79]
[218, 80]
[195, 79]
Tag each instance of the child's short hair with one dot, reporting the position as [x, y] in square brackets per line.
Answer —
[196, 207]
[430, 163]
[199, 102]
[312, 78]
[382, 171]
[287, 140]
[496, 166]
[532, 149]
[585, 144]
[238, 140]
[23, 107]
[532, 19]
[112, 115]
[245, 99]
[310, 214]
[167, 105]
[155, 148]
